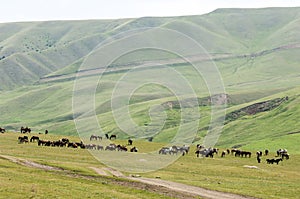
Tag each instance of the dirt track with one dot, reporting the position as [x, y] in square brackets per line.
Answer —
[171, 189]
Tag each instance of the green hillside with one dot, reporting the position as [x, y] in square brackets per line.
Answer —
[255, 50]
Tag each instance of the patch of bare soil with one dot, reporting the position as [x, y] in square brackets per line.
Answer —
[193, 191]
[164, 187]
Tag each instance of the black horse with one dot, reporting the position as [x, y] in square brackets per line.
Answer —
[25, 130]
[272, 161]
[134, 149]
[113, 136]
[130, 141]
[34, 138]
[23, 139]
[2, 130]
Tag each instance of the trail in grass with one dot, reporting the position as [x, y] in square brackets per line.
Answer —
[157, 184]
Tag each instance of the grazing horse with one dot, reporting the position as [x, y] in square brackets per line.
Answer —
[130, 141]
[95, 137]
[121, 148]
[285, 155]
[228, 151]
[239, 153]
[164, 150]
[23, 139]
[41, 142]
[236, 152]
[2, 130]
[199, 146]
[184, 149]
[223, 154]
[113, 136]
[258, 159]
[110, 147]
[207, 152]
[134, 149]
[271, 161]
[72, 145]
[281, 151]
[91, 146]
[25, 130]
[80, 144]
[106, 135]
[99, 147]
[266, 152]
[34, 138]
[259, 153]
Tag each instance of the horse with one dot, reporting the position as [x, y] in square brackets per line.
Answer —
[80, 144]
[266, 152]
[228, 151]
[2, 130]
[134, 149]
[41, 142]
[280, 151]
[184, 149]
[65, 140]
[91, 146]
[271, 161]
[23, 139]
[72, 145]
[113, 136]
[259, 153]
[199, 146]
[223, 154]
[164, 150]
[239, 153]
[99, 147]
[46, 132]
[121, 148]
[95, 137]
[130, 141]
[285, 155]
[258, 159]
[34, 138]
[110, 148]
[106, 135]
[25, 130]
[236, 152]
[207, 152]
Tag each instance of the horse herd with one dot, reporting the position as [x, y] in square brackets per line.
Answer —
[65, 142]
[98, 137]
[281, 154]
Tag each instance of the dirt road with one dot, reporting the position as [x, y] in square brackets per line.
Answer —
[171, 189]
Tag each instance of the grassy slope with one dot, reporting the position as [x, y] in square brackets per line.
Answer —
[60, 51]
[224, 174]
[36, 49]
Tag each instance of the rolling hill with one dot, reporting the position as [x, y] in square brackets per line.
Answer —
[255, 50]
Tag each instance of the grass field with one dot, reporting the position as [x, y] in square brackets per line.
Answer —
[227, 174]
[254, 50]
